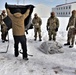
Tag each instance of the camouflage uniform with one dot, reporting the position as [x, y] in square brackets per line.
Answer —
[3, 27]
[0, 19]
[37, 26]
[71, 29]
[52, 27]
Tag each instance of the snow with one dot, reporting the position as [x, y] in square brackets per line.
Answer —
[40, 63]
[51, 47]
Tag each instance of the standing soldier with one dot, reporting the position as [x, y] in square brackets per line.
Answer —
[52, 26]
[3, 27]
[37, 26]
[71, 29]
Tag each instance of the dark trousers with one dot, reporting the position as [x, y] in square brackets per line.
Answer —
[22, 40]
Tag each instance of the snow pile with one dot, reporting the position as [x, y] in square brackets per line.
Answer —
[50, 47]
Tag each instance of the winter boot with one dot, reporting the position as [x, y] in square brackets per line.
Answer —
[66, 44]
[25, 58]
[3, 41]
[40, 39]
[16, 53]
[54, 39]
[6, 40]
[50, 38]
[34, 39]
[70, 46]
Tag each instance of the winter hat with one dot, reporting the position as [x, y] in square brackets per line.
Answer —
[74, 11]
[52, 14]
[35, 14]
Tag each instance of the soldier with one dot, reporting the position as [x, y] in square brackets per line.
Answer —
[52, 26]
[71, 29]
[3, 27]
[37, 26]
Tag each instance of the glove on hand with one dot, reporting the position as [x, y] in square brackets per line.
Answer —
[56, 29]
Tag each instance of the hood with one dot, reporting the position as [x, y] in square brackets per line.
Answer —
[17, 15]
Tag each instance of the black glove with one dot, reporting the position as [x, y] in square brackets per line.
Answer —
[47, 28]
[26, 31]
[66, 28]
[56, 29]
[29, 7]
[6, 5]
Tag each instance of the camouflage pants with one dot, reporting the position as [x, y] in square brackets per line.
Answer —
[37, 30]
[4, 32]
[71, 36]
[52, 35]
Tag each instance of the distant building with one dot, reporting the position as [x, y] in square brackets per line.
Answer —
[40, 10]
[64, 10]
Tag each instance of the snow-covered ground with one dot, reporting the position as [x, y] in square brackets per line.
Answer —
[40, 63]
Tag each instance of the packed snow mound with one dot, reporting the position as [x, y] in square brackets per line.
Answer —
[51, 47]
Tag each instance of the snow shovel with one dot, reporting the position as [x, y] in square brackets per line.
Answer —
[27, 54]
[7, 46]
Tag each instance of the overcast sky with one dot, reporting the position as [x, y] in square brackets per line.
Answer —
[50, 3]
[40, 5]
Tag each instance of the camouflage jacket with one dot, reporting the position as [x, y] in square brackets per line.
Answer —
[52, 23]
[72, 22]
[37, 22]
[0, 19]
[4, 27]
